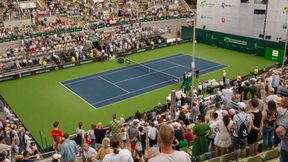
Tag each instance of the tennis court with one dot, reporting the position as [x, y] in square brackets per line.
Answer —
[109, 87]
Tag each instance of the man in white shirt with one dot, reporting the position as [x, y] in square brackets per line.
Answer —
[227, 93]
[165, 140]
[152, 135]
[88, 152]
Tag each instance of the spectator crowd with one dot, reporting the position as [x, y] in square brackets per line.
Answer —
[242, 113]
[71, 47]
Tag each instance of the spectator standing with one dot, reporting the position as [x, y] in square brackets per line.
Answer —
[91, 134]
[227, 93]
[80, 132]
[242, 126]
[56, 132]
[142, 138]
[133, 134]
[165, 140]
[99, 135]
[118, 155]
[256, 116]
[68, 149]
[253, 89]
[282, 112]
[200, 144]
[223, 134]
[152, 134]
[212, 133]
[189, 135]
[224, 77]
[282, 132]
[261, 88]
[275, 81]
[115, 125]
[269, 123]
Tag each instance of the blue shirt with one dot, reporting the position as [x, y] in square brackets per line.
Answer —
[275, 80]
[69, 150]
[284, 145]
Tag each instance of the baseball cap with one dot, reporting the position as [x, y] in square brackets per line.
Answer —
[242, 105]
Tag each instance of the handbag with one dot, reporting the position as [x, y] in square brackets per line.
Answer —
[138, 145]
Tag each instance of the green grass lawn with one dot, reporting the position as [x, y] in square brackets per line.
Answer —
[40, 100]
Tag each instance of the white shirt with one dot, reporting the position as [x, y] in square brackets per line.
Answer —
[271, 97]
[227, 93]
[176, 156]
[91, 151]
[123, 156]
[152, 133]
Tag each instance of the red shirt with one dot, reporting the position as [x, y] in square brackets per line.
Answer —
[55, 133]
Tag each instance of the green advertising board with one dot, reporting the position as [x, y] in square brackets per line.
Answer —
[274, 54]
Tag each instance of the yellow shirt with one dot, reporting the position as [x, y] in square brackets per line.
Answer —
[73, 59]
[44, 63]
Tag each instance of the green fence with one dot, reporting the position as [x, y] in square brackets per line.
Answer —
[230, 41]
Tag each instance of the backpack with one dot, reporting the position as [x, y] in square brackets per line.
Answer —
[243, 131]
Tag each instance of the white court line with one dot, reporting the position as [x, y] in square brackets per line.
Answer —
[130, 92]
[113, 84]
[148, 74]
[115, 71]
[77, 95]
[186, 67]
[211, 67]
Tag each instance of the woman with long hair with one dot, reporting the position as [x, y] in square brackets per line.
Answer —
[118, 154]
[223, 134]
[269, 122]
[200, 144]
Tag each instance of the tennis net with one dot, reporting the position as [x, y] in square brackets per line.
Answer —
[157, 73]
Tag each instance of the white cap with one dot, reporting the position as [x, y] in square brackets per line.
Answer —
[56, 156]
[242, 105]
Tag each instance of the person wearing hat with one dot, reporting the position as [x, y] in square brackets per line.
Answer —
[237, 141]
[133, 133]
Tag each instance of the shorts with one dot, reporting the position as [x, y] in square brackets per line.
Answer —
[211, 141]
[239, 143]
[132, 145]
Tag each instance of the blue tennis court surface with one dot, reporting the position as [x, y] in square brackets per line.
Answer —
[116, 85]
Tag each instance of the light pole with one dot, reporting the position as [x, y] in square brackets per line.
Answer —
[193, 58]
[285, 48]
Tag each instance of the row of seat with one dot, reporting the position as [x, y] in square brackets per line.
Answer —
[264, 156]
